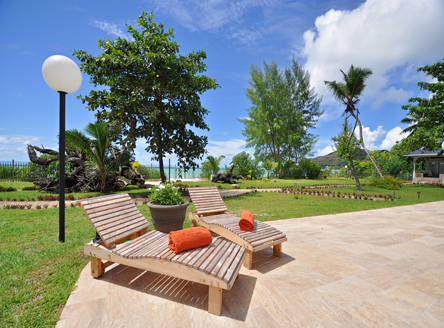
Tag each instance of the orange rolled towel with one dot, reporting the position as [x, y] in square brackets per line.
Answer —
[182, 240]
[247, 221]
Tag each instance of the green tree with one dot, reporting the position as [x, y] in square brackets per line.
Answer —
[310, 169]
[426, 115]
[151, 90]
[211, 165]
[104, 160]
[283, 108]
[348, 93]
[248, 167]
[347, 148]
[269, 165]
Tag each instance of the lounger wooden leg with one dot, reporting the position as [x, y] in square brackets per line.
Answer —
[215, 300]
[248, 262]
[97, 268]
[194, 223]
[277, 250]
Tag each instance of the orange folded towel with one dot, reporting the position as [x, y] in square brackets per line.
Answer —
[246, 221]
[182, 240]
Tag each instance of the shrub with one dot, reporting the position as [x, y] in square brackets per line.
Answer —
[388, 182]
[148, 173]
[166, 195]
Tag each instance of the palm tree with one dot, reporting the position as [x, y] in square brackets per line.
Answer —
[268, 166]
[348, 93]
[214, 163]
[103, 160]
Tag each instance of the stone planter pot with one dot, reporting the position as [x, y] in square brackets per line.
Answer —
[167, 218]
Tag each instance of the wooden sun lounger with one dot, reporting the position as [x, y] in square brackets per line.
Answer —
[116, 218]
[211, 213]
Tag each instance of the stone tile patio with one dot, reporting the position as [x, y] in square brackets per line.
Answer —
[378, 268]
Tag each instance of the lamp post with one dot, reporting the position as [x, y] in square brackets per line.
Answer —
[169, 156]
[62, 75]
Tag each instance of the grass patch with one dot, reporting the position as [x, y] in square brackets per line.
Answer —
[37, 273]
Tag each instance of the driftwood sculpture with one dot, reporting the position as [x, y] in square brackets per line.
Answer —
[78, 180]
[226, 177]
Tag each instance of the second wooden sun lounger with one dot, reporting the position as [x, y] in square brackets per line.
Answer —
[211, 213]
[116, 219]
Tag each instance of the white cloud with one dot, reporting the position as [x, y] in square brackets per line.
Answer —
[392, 95]
[227, 148]
[380, 35]
[392, 136]
[325, 151]
[380, 139]
[110, 28]
[371, 137]
[14, 146]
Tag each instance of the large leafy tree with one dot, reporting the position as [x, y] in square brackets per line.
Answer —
[151, 90]
[426, 115]
[283, 108]
[347, 148]
[104, 159]
[348, 92]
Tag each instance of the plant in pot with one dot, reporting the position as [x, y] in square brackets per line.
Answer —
[168, 209]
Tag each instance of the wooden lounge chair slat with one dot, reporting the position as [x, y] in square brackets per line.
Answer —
[100, 207]
[183, 255]
[99, 216]
[124, 233]
[228, 262]
[141, 252]
[147, 252]
[262, 241]
[137, 243]
[199, 255]
[102, 220]
[190, 256]
[210, 257]
[167, 252]
[237, 262]
[204, 255]
[259, 236]
[138, 247]
[221, 260]
[271, 243]
[121, 221]
[118, 229]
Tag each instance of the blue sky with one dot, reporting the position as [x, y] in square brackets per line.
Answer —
[392, 38]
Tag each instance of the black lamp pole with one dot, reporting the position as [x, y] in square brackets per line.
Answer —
[169, 170]
[62, 168]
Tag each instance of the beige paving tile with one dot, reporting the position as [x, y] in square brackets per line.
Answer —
[403, 302]
[125, 296]
[325, 310]
[359, 248]
[165, 311]
[369, 260]
[437, 309]
[88, 288]
[197, 313]
[298, 281]
[238, 299]
[438, 248]
[411, 265]
[254, 318]
[375, 317]
[427, 320]
[339, 269]
[132, 321]
[383, 277]
[429, 283]
[349, 291]
[286, 311]
[85, 314]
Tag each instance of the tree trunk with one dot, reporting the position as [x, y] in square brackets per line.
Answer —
[162, 173]
[352, 166]
[365, 149]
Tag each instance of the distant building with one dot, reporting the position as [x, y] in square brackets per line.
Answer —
[434, 166]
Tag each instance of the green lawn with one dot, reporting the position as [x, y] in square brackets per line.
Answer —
[37, 274]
